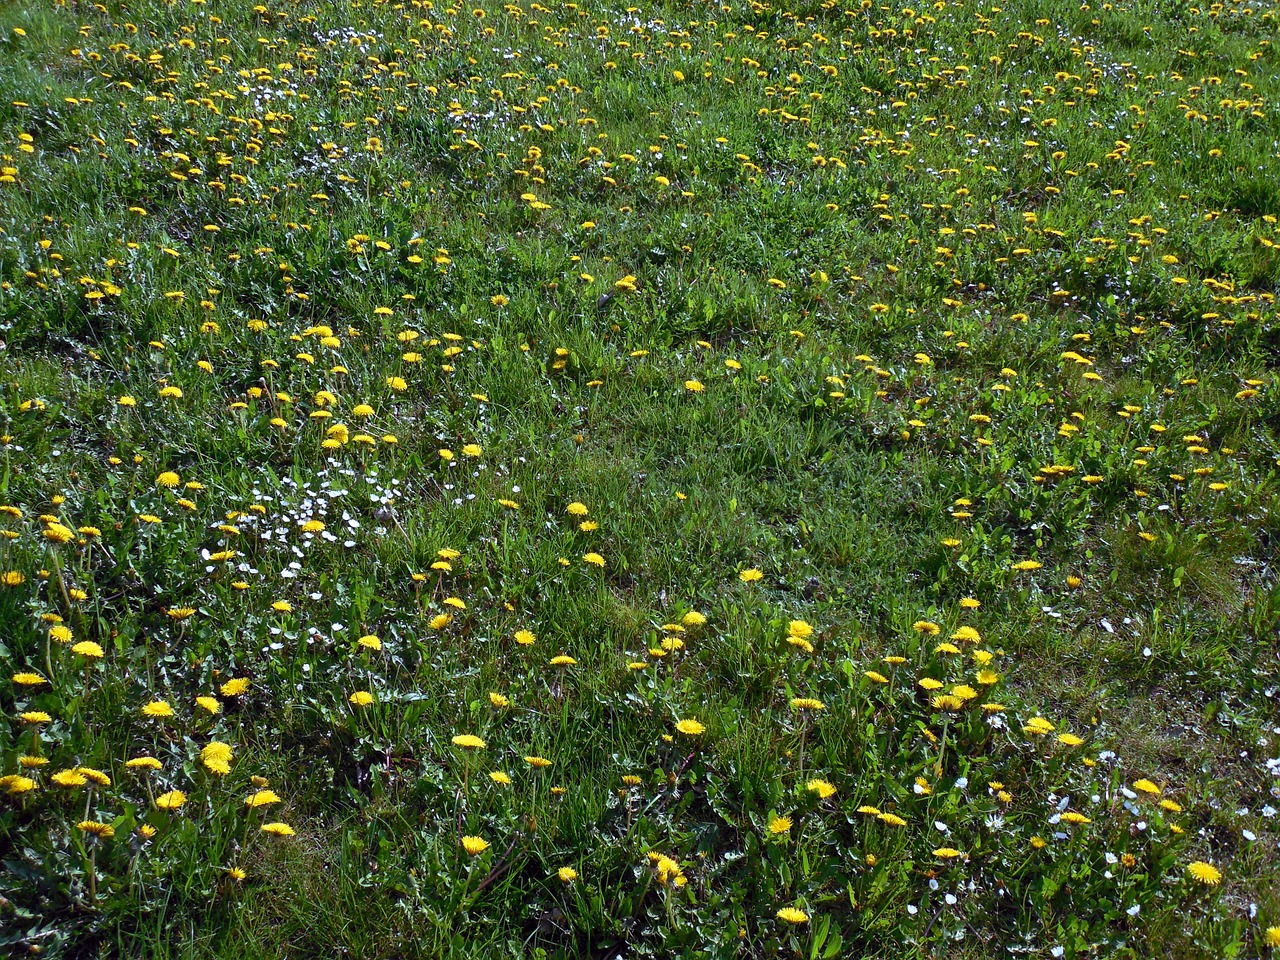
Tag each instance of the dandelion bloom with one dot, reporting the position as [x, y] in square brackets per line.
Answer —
[278, 829]
[807, 703]
[171, 800]
[793, 915]
[576, 509]
[594, 559]
[143, 763]
[97, 776]
[821, 787]
[28, 679]
[891, 819]
[15, 784]
[499, 701]
[667, 869]
[475, 845]
[261, 798]
[209, 704]
[779, 825]
[947, 853]
[1147, 787]
[216, 757]
[1037, 727]
[525, 638]
[563, 661]
[468, 741]
[103, 830]
[691, 728]
[34, 716]
[69, 778]
[157, 709]
[89, 649]
[538, 763]
[750, 575]
[57, 533]
[1205, 873]
[567, 874]
[361, 698]
[500, 778]
[799, 628]
[234, 688]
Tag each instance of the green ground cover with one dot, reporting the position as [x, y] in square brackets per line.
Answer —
[675, 480]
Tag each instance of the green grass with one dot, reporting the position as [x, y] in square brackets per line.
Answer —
[956, 321]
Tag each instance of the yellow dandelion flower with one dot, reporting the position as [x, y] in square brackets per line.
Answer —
[235, 687]
[1205, 873]
[822, 788]
[216, 757]
[172, 800]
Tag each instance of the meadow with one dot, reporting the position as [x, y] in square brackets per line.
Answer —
[702, 480]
